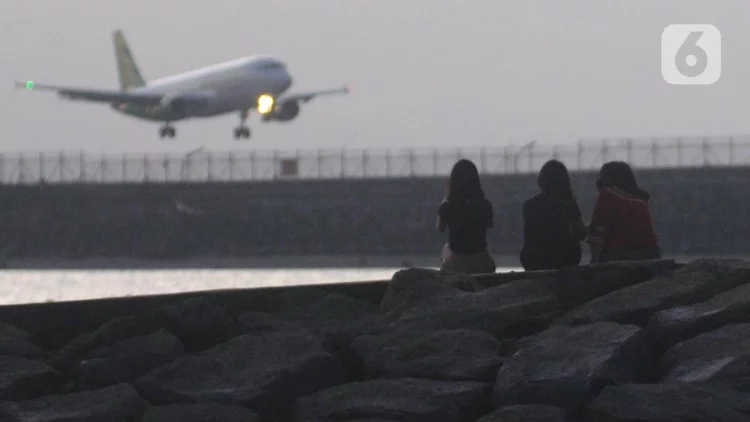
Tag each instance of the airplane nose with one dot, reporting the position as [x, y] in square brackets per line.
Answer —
[286, 81]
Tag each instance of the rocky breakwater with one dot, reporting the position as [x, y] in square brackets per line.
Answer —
[649, 341]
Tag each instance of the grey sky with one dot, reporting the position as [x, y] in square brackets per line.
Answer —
[423, 72]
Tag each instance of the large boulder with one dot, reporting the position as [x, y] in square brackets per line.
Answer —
[22, 379]
[405, 279]
[203, 412]
[720, 357]
[509, 311]
[448, 355]
[18, 346]
[198, 323]
[635, 304]
[117, 403]
[566, 366]
[407, 399]
[674, 325]
[127, 360]
[335, 318]
[526, 413]
[264, 373]
[674, 402]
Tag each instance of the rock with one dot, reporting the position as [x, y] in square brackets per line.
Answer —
[7, 330]
[719, 357]
[575, 286]
[18, 346]
[508, 311]
[668, 403]
[204, 412]
[335, 318]
[127, 360]
[22, 379]
[117, 403]
[264, 373]
[405, 399]
[674, 325]
[198, 324]
[526, 413]
[566, 366]
[403, 280]
[635, 304]
[447, 355]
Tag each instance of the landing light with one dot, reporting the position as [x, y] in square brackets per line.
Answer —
[265, 104]
[30, 85]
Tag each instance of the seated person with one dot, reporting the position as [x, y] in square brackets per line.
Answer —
[621, 227]
[467, 214]
[552, 225]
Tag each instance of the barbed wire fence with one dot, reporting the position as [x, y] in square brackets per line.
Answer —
[201, 165]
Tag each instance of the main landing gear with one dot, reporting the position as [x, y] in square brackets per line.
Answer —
[242, 131]
[167, 131]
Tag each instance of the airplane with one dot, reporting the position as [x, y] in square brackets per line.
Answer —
[251, 82]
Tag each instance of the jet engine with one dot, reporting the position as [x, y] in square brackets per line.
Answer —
[283, 112]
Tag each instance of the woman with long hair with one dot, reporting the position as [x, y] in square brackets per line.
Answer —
[552, 225]
[621, 226]
[467, 214]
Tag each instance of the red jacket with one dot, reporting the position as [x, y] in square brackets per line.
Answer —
[622, 221]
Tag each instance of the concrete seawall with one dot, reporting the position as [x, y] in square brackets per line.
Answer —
[696, 211]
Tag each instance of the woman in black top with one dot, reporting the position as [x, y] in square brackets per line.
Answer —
[467, 215]
[553, 229]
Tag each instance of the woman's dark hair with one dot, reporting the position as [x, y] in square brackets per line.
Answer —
[618, 174]
[554, 180]
[464, 182]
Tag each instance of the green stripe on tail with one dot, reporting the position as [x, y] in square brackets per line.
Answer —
[130, 76]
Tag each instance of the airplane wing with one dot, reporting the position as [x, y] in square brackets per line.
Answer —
[95, 95]
[307, 96]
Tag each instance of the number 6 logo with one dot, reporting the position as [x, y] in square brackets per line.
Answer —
[691, 54]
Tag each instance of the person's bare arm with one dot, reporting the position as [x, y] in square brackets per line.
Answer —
[440, 225]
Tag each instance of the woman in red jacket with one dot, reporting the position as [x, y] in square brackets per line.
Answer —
[621, 227]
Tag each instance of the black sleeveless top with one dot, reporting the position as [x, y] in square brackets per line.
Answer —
[467, 223]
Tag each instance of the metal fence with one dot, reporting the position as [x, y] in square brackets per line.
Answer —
[203, 166]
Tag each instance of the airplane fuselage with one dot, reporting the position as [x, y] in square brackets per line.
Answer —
[228, 87]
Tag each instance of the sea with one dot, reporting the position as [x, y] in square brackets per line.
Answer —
[19, 286]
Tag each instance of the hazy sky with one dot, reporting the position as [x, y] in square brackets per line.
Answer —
[427, 73]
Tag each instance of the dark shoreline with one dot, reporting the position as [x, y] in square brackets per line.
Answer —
[281, 262]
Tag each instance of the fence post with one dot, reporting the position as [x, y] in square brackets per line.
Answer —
[531, 156]
[679, 152]
[61, 166]
[320, 163]
[41, 167]
[364, 162]
[252, 166]
[705, 152]
[103, 167]
[82, 167]
[411, 162]
[482, 163]
[231, 166]
[506, 158]
[435, 161]
[630, 151]
[731, 150]
[124, 167]
[210, 166]
[342, 164]
[579, 158]
[654, 151]
[388, 162]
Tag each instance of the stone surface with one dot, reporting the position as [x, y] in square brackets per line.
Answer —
[264, 373]
[526, 413]
[669, 403]
[117, 403]
[22, 379]
[205, 412]
[508, 311]
[405, 399]
[636, 304]
[18, 346]
[674, 325]
[127, 360]
[566, 366]
[448, 355]
[403, 280]
[198, 323]
[720, 357]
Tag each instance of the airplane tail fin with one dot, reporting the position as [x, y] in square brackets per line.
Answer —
[127, 70]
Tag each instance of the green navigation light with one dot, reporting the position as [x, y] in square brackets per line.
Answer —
[30, 85]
